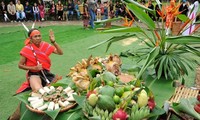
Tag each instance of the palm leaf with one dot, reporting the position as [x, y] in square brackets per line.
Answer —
[184, 40]
[141, 15]
[111, 40]
[160, 69]
[180, 63]
[141, 6]
[193, 50]
[126, 29]
[151, 57]
[107, 20]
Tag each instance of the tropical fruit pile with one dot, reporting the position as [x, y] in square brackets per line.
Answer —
[119, 101]
[52, 98]
[111, 94]
[80, 72]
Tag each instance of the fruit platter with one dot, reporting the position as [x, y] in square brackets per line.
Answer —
[119, 102]
[111, 94]
[51, 98]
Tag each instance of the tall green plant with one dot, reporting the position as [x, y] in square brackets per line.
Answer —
[167, 54]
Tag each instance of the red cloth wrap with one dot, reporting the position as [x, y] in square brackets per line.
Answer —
[42, 54]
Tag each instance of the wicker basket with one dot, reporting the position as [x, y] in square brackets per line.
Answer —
[42, 112]
[176, 27]
[183, 92]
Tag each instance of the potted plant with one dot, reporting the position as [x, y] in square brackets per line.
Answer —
[167, 54]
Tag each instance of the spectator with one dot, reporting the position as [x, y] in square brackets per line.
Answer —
[92, 10]
[111, 12]
[150, 6]
[20, 11]
[41, 10]
[70, 8]
[158, 9]
[184, 7]
[28, 11]
[3, 10]
[76, 8]
[65, 13]
[11, 11]
[59, 8]
[52, 10]
[99, 10]
[192, 13]
[85, 14]
[36, 12]
[117, 9]
[105, 10]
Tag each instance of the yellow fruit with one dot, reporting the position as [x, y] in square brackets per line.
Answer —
[126, 94]
[142, 99]
[92, 100]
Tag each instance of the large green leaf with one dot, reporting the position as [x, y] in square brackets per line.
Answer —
[141, 15]
[79, 100]
[108, 20]
[141, 6]
[182, 17]
[151, 57]
[75, 115]
[193, 50]
[184, 40]
[157, 111]
[29, 115]
[52, 113]
[158, 85]
[23, 96]
[126, 29]
[113, 39]
[187, 106]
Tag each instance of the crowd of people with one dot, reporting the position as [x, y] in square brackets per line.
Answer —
[38, 11]
[86, 10]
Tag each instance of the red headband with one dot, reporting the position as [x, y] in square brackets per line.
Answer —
[34, 32]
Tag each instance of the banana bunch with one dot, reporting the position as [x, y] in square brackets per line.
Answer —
[104, 115]
[79, 72]
[87, 109]
[139, 113]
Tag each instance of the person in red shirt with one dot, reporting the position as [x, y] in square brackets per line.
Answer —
[35, 59]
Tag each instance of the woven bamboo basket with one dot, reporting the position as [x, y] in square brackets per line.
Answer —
[183, 92]
[42, 112]
[197, 78]
[176, 27]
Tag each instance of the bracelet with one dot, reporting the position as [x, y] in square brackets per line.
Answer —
[53, 42]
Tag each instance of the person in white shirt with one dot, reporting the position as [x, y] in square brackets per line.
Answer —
[11, 11]
[192, 13]
[36, 12]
